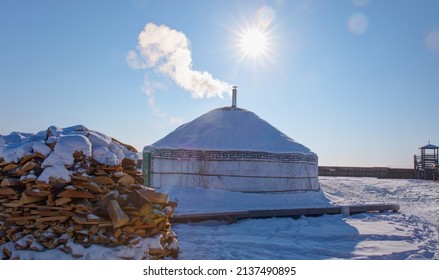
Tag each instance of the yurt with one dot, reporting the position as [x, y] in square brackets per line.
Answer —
[233, 149]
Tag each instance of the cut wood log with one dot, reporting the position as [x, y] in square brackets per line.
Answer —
[76, 194]
[44, 213]
[142, 204]
[26, 168]
[54, 208]
[173, 204]
[9, 249]
[100, 172]
[117, 233]
[102, 180]
[93, 218]
[62, 200]
[7, 191]
[51, 219]
[26, 159]
[12, 204]
[117, 215]
[111, 168]
[43, 185]
[92, 187]
[135, 173]
[128, 163]
[83, 221]
[105, 199]
[26, 199]
[67, 213]
[10, 182]
[37, 193]
[10, 167]
[39, 155]
[94, 229]
[81, 178]
[126, 179]
[28, 179]
[154, 197]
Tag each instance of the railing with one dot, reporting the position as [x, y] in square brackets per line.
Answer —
[426, 162]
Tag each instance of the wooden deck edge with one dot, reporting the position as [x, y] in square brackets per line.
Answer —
[234, 216]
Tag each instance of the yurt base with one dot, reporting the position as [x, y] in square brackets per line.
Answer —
[234, 216]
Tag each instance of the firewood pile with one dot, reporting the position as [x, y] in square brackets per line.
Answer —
[68, 187]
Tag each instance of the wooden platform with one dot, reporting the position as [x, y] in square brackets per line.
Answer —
[292, 213]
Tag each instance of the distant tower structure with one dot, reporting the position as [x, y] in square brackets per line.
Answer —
[426, 165]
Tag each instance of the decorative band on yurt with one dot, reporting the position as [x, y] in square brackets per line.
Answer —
[233, 155]
[226, 169]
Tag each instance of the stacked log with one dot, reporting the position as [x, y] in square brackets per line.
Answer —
[96, 203]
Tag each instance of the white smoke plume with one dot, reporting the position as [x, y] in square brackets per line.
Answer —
[149, 87]
[168, 51]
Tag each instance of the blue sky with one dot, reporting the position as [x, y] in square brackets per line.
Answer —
[356, 81]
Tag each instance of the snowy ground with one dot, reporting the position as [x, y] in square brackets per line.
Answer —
[410, 234]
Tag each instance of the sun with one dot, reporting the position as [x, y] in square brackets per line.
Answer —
[253, 42]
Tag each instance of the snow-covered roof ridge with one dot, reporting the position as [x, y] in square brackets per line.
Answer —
[230, 128]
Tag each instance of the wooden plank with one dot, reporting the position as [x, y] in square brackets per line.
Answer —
[117, 215]
[199, 217]
[51, 219]
[356, 209]
[44, 213]
[269, 213]
[55, 208]
[21, 218]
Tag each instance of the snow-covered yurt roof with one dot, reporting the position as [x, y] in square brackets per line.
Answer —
[230, 129]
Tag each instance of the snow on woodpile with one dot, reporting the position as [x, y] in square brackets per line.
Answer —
[79, 190]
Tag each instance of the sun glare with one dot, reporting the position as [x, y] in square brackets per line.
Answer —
[253, 42]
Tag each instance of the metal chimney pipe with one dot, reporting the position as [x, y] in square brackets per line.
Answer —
[234, 93]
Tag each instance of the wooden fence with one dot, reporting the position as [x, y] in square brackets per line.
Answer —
[378, 172]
